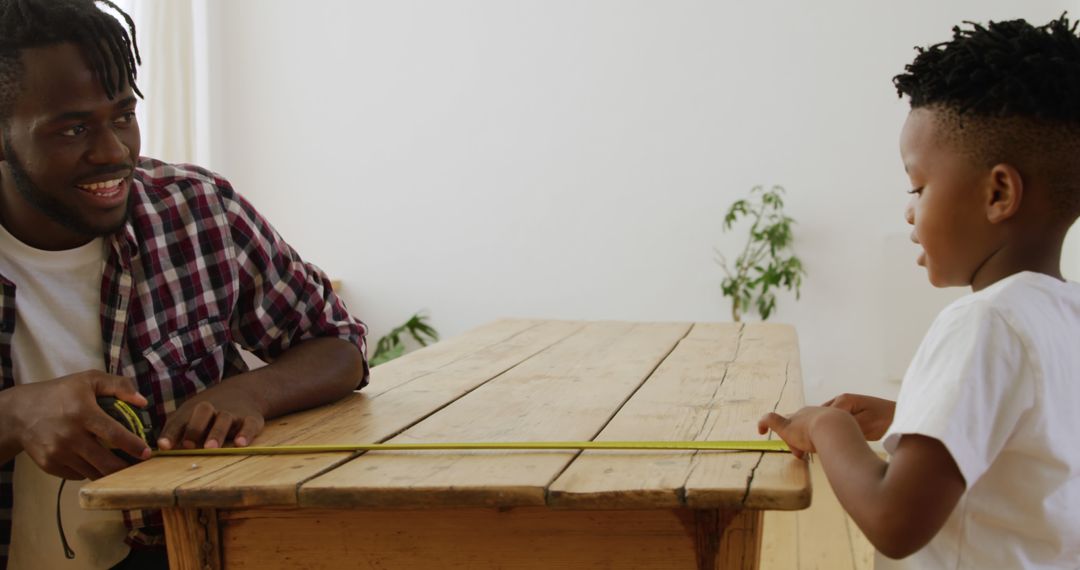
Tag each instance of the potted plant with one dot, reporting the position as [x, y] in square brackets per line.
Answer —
[392, 345]
[767, 261]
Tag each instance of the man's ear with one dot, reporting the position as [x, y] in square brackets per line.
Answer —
[1004, 193]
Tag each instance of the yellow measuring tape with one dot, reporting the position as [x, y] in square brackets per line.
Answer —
[127, 416]
[754, 445]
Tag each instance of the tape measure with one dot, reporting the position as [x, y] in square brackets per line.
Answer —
[126, 415]
[752, 445]
[123, 413]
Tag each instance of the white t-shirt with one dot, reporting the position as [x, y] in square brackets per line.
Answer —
[997, 381]
[57, 332]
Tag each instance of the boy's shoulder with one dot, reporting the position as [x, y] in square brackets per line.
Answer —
[1027, 302]
[1018, 291]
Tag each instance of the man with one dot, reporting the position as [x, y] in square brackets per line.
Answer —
[131, 278]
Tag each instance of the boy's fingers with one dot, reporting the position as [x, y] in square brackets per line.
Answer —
[771, 420]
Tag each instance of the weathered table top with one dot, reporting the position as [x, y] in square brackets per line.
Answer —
[522, 380]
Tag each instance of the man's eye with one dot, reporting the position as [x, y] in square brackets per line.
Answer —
[126, 118]
[74, 131]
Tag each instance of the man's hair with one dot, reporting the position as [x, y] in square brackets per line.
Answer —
[109, 49]
[1008, 92]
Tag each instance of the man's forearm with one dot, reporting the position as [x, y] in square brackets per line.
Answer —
[9, 440]
[309, 374]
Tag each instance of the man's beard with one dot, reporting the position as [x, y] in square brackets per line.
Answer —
[54, 209]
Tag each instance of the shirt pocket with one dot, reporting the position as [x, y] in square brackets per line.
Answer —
[190, 347]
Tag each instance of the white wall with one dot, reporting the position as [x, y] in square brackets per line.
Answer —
[573, 159]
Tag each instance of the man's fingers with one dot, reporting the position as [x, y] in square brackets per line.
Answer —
[198, 424]
[100, 458]
[119, 387]
[219, 433]
[170, 434]
[77, 466]
[116, 435]
[252, 427]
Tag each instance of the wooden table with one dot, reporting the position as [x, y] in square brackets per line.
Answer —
[511, 380]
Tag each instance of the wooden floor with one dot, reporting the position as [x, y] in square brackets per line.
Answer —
[819, 538]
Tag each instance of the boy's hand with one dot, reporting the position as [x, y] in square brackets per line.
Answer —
[213, 417]
[874, 415]
[796, 429]
[62, 428]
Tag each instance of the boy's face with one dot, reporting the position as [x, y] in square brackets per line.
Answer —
[946, 206]
[68, 152]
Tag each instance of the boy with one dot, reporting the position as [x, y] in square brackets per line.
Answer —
[983, 470]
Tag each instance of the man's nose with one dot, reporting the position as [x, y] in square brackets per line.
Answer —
[107, 148]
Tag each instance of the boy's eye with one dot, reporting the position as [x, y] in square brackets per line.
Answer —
[74, 131]
[915, 190]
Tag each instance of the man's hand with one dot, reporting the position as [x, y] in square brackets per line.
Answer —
[796, 429]
[62, 428]
[214, 417]
[874, 415]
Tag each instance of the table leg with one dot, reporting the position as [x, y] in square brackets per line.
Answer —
[192, 538]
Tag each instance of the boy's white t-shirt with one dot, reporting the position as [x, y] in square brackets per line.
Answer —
[997, 381]
[57, 332]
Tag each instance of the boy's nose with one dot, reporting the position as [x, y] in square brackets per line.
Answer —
[909, 213]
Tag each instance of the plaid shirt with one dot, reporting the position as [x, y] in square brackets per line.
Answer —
[194, 273]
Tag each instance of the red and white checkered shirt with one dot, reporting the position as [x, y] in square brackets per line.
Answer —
[195, 272]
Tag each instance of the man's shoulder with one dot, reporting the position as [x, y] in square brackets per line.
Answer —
[162, 181]
[178, 199]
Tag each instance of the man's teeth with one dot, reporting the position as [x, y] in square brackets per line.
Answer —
[107, 185]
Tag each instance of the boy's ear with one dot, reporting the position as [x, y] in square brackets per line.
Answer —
[1004, 193]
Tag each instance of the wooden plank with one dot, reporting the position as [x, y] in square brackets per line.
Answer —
[679, 402]
[273, 480]
[468, 361]
[568, 392]
[862, 552]
[420, 363]
[715, 385]
[753, 385]
[193, 539]
[521, 538]
[780, 541]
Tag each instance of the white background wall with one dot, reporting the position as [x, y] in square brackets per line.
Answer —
[573, 159]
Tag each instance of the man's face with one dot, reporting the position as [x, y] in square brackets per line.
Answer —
[946, 206]
[69, 153]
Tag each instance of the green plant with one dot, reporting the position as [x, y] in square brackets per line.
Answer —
[391, 345]
[766, 263]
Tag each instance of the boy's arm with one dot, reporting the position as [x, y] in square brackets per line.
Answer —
[899, 505]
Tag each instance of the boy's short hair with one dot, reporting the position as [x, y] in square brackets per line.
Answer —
[1008, 92]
